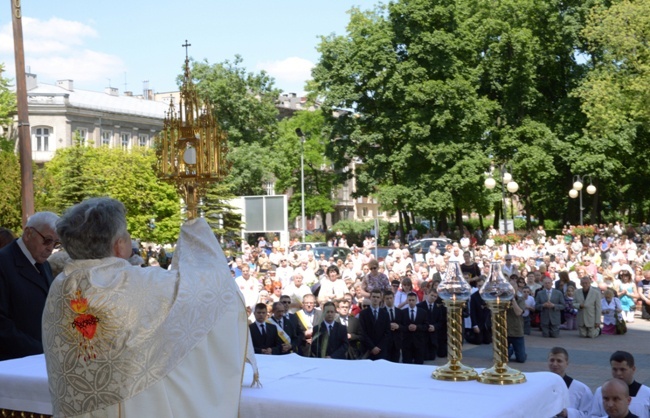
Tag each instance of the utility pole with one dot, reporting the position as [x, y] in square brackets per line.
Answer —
[24, 140]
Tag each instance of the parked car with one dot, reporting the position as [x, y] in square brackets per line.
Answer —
[339, 253]
[381, 253]
[303, 245]
[425, 243]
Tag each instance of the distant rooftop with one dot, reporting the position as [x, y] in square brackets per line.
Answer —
[107, 101]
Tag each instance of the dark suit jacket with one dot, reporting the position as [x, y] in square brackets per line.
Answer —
[300, 334]
[337, 343]
[376, 333]
[288, 328]
[22, 299]
[318, 318]
[479, 312]
[271, 341]
[550, 315]
[417, 337]
[356, 349]
[436, 317]
[395, 339]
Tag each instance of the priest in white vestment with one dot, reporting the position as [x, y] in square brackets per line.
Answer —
[126, 341]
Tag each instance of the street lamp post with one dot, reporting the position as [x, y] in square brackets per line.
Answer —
[302, 178]
[507, 183]
[578, 181]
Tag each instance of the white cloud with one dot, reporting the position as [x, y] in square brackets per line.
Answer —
[54, 50]
[290, 74]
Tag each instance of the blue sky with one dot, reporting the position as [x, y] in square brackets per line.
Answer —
[91, 42]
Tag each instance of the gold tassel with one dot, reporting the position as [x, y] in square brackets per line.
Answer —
[256, 381]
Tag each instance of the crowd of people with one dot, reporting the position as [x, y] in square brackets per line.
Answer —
[359, 307]
[567, 282]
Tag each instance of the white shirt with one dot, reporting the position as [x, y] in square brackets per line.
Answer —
[580, 400]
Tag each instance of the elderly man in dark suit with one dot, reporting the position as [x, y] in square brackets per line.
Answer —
[25, 278]
[330, 338]
[550, 303]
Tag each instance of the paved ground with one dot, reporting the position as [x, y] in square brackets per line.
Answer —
[589, 358]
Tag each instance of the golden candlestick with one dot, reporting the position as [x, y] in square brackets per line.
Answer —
[191, 148]
[497, 294]
[500, 373]
[454, 370]
[454, 291]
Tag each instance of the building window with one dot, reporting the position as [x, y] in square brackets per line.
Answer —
[81, 135]
[126, 138]
[143, 140]
[42, 139]
[106, 138]
[364, 211]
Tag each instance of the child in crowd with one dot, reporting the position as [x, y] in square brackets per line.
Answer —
[570, 312]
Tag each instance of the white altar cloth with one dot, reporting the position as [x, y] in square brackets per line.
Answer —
[294, 386]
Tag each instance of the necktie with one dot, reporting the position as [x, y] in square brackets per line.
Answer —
[392, 318]
[329, 329]
[281, 325]
[41, 271]
[345, 321]
[430, 307]
[374, 312]
[263, 331]
[412, 315]
[549, 295]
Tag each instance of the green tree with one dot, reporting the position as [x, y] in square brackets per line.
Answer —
[80, 172]
[220, 215]
[244, 106]
[10, 204]
[615, 99]
[7, 102]
[320, 180]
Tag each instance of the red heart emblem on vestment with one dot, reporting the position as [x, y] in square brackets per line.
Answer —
[86, 324]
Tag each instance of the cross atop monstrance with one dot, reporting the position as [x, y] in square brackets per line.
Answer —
[191, 148]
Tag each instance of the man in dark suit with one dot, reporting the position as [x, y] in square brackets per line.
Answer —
[437, 321]
[415, 328]
[330, 338]
[395, 316]
[549, 302]
[25, 278]
[355, 332]
[263, 334]
[308, 318]
[291, 317]
[481, 317]
[375, 324]
[286, 331]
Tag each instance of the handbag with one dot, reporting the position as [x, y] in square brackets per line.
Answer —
[621, 326]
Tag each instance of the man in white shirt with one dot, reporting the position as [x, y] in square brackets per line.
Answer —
[580, 396]
[249, 287]
[508, 267]
[623, 368]
[284, 272]
[296, 291]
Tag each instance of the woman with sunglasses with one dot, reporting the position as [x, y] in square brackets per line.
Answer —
[374, 280]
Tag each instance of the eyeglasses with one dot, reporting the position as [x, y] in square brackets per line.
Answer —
[287, 302]
[373, 268]
[48, 241]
